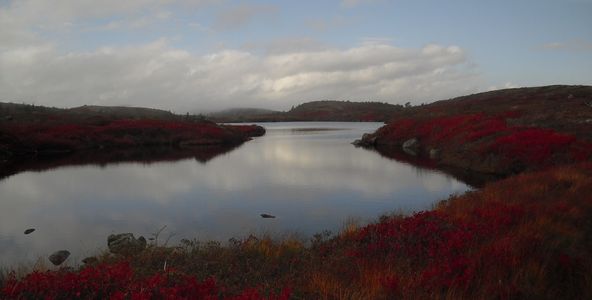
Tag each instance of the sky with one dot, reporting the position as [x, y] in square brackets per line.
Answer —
[205, 55]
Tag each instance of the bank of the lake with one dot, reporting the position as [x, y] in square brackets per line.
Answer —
[522, 237]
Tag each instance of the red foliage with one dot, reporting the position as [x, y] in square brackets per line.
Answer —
[117, 281]
[435, 245]
[533, 146]
[485, 135]
[123, 133]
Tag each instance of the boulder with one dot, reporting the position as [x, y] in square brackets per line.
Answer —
[125, 243]
[58, 257]
[411, 146]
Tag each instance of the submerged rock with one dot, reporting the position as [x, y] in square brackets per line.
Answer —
[58, 257]
[30, 230]
[125, 243]
[266, 216]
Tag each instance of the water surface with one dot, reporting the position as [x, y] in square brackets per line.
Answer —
[306, 174]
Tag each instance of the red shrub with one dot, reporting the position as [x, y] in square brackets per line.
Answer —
[117, 282]
[533, 146]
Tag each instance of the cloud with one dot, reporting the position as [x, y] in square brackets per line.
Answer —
[241, 15]
[507, 85]
[159, 75]
[578, 45]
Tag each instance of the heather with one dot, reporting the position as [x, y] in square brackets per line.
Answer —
[527, 236]
[487, 143]
[501, 132]
[31, 139]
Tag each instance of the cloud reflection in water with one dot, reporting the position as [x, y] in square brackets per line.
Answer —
[311, 180]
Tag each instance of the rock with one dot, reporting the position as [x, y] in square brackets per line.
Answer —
[411, 144]
[435, 153]
[30, 230]
[368, 140]
[58, 257]
[358, 143]
[266, 216]
[125, 243]
[90, 260]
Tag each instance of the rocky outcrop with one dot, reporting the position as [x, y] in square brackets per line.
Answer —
[125, 243]
[367, 140]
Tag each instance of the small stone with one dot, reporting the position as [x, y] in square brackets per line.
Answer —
[266, 216]
[58, 257]
[30, 230]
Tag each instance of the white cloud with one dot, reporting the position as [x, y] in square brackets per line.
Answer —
[577, 45]
[159, 75]
[507, 85]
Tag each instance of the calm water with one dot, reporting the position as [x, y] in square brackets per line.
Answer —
[310, 177]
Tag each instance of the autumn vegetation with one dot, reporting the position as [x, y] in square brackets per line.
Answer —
[527, 236]
[52, 131]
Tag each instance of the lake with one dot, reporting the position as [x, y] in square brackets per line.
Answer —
[307, 174]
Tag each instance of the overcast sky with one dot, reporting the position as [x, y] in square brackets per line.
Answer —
[200, 55]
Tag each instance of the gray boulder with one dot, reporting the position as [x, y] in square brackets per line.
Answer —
[411, 146]
[58, 257]
[125, 243]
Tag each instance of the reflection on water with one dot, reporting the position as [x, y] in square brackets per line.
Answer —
[114, 156]
[310, 179]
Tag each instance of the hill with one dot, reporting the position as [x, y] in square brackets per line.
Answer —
[241, 114]
[501, 132]
[28, 131]
[124, 112]
[326, 110]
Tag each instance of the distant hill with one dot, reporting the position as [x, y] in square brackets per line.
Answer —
[123, 112]
[241, 114]
[326, 110]
[31, 113]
